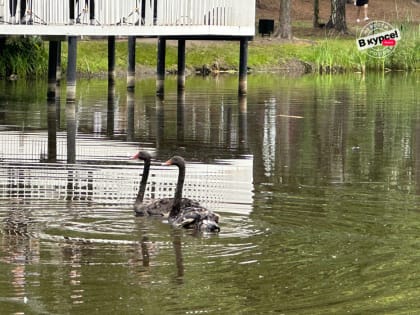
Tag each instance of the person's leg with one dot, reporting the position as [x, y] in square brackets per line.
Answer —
[71, 8]
[22, 9]
[143, 12]
[155, 12]
[92, 11]
[358, 14]
[365, 10]
[72, 4]
[12, 7]
[12, 10]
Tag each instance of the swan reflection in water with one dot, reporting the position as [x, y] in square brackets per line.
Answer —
[181, 212]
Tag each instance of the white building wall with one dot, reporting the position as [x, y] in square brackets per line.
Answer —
[126, 17]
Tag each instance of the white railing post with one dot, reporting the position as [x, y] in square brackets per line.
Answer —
[2, 15]
[160, 12]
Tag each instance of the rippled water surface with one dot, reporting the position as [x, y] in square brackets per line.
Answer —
[316, 180]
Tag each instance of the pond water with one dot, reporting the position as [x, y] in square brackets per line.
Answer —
[316, 179]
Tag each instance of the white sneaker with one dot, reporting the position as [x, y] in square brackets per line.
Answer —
[12, 20]
[367, 19]
[358, 20]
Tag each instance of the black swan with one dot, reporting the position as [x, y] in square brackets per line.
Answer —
[182, 212]
[147, 159]
[158, 207]
[194, 216]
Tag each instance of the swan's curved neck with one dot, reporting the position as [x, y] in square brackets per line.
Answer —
[143, 182]
[178, 192]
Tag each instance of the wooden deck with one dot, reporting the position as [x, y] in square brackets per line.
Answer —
[141, 18]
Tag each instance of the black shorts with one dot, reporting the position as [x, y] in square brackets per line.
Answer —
[361, 3]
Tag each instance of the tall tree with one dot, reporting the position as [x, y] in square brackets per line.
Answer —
[338, 16]
[285, 21]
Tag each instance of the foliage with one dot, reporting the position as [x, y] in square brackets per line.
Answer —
[23, 56]
[407, 52]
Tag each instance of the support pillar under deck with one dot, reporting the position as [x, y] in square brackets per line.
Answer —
[71, 68]
[111, 59]
[243, 67]
[181, 64]
[131, 73]
[52, 69]
[161, 56]
[71, 99]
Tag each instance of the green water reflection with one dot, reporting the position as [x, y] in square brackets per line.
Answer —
[329, 224]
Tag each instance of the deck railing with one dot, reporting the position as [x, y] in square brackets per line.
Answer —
[135, 13]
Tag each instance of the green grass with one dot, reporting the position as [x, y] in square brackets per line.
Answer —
[323, 54]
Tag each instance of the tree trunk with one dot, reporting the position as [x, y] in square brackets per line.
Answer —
[316, 14]
[285, 23]
[338, 16]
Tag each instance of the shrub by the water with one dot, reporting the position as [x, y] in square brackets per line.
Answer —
[23, 56]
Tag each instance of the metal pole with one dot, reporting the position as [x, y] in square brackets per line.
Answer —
[243, 66]
[70, 101]
[131, 74]
[181, 64]
[52, 69]
[58, 74]
[161, 56]
[111, 59]
[71, 68]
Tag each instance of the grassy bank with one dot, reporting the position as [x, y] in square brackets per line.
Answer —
[307, 55]
[324, 54]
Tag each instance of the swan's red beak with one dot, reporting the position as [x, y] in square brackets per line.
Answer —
[135, 156]
[168, 162]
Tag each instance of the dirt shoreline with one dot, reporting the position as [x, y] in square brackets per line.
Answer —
[292, 67]
[387, 10]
